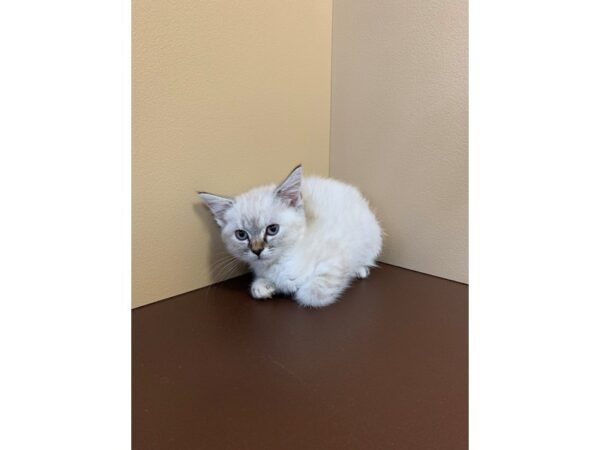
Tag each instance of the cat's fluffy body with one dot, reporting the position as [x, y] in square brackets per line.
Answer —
[327, 235]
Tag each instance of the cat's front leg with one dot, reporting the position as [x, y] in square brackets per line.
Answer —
[322, 290]
[262, 288]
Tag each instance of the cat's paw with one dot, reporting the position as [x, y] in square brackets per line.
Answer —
[363, 272]
[321, 291]
[262, 288]
[288, 287]
[315, 296]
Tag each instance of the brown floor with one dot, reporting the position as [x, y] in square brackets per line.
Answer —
[384, 368]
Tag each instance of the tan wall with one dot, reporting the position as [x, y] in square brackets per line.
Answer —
[399, 124]
[226, 95]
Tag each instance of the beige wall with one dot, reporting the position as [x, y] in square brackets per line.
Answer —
[226, 95]
[399, 124]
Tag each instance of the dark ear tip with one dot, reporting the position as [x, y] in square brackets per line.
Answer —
[298, 168]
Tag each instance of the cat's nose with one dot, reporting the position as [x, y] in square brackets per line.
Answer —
[258, 251]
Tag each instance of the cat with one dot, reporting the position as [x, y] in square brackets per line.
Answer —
[307, 237]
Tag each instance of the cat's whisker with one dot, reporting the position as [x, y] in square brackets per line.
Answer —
[222, 265]
[224, 269]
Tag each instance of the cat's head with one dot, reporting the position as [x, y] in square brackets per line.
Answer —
[260, 224]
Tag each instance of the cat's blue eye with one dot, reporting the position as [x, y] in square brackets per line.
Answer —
[273, 229]
[241, 235]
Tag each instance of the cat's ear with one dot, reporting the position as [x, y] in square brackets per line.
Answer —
[217, 205]
[290, 190]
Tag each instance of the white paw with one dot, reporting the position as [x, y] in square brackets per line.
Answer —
[261, 288]
[315, 302]
[322, 290]
[288, 287]
[363, 272]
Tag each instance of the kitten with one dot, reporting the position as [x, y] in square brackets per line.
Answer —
[306, 237]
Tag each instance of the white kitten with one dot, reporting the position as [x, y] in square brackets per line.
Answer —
[306, 237]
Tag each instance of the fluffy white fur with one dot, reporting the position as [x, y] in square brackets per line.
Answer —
[327, 235]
